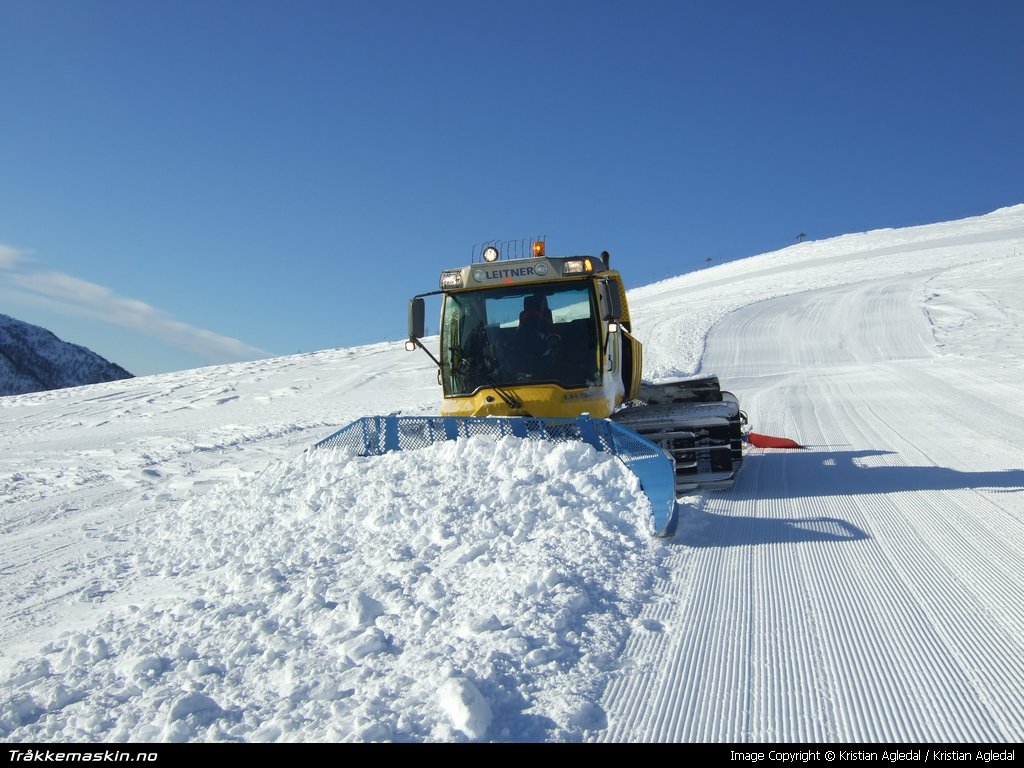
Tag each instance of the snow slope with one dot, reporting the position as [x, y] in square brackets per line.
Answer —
[178, 567]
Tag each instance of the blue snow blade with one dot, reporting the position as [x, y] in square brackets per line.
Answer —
[654, 467]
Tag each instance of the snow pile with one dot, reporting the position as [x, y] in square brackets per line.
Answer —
[478, 589]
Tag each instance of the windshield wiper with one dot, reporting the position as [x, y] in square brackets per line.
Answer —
[510, 400]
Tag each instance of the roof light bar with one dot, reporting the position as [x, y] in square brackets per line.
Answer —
[577, 266]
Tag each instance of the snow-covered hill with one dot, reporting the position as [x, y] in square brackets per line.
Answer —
[178, 567]
[34, 360]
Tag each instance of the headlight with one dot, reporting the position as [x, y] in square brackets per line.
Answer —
[451, 278]
[577, 266]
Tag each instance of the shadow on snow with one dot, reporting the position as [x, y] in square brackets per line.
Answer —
[698, 528]
[800, 474]
[810, 474]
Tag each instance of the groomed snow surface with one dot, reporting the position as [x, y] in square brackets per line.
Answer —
[177, 566]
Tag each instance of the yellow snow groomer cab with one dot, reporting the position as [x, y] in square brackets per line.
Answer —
[538, 336]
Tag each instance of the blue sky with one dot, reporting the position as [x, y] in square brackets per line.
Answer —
[192, 182]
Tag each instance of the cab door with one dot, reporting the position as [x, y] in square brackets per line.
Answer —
[632, 363]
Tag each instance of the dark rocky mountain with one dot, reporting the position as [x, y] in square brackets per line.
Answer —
[34, 360]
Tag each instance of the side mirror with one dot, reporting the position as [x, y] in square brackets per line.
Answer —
[416, 312]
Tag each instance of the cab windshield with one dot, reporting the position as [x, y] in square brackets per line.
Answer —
[517, 335]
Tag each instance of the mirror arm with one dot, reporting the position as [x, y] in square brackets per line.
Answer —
[419, 344]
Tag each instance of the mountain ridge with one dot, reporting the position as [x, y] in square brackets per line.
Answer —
[33, 359]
